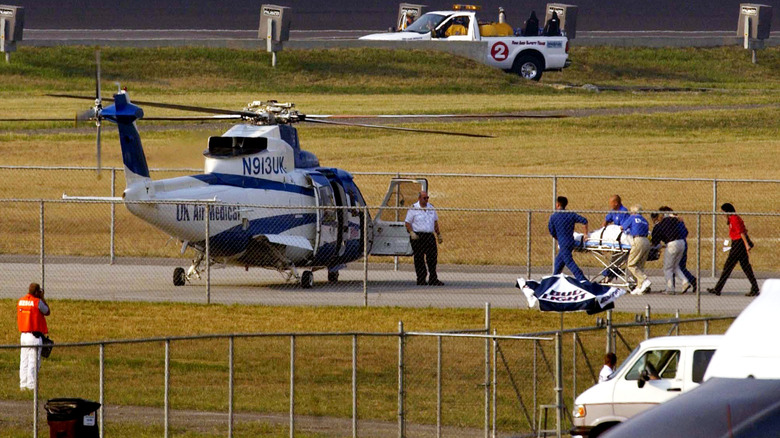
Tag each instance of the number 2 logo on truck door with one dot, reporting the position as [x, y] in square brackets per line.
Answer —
[499, 51]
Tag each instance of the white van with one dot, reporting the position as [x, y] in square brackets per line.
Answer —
[750, 348]
[657, 370]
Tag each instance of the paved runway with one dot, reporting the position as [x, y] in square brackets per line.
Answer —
[470, 286]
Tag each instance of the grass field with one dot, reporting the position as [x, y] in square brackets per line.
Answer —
[738, 112]
[693, 134]
[199, 368]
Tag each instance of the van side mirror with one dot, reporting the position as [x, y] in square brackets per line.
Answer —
[644, 376]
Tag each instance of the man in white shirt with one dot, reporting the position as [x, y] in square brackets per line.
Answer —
[421, 223]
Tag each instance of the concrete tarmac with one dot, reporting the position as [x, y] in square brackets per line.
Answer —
[465, 286]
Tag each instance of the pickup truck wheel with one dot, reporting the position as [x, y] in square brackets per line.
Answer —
[528, 67]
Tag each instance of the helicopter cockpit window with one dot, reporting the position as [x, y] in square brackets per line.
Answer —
[235, 146]
[425, 24]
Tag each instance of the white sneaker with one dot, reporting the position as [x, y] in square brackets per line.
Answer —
[644, 288]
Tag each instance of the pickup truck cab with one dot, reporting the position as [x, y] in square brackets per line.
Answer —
[528, 56]
[657, 370]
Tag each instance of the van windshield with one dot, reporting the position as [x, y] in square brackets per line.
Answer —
[629, 360]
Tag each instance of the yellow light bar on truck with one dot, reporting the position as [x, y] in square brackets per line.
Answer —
[466, 7]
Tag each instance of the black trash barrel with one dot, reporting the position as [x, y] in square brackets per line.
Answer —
[72, 418]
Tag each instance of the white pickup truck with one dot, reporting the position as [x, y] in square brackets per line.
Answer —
[528, 56]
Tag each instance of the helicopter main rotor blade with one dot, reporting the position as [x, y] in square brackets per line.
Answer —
[217, 118]
[397, 128]
[199, 109]
[36, 120]
[438, 116]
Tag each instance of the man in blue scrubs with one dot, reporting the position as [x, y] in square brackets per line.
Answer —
[561, 228]
[618, 214]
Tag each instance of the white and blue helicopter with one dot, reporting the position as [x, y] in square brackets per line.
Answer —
[257, 162]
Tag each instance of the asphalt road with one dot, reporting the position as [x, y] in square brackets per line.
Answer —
[375, 14]
[315, 35]
[465, 287]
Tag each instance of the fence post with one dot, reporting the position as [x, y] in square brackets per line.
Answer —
[365, 256]
[112, 248]
[574, 365]
[397, 215]
[167, 385]
[535, 385]
[487, 370]
[609, 332]
[677, 326]
[354, 387]
[35, 390]
[43, 247]
[208, 254]
[102, 389]
[698, 264]
[231, 384]
[706, 326]
[494, 383]
[558, 383]
[528, 246]
[647, 322]
[555, 195]
[401, 423]
[714, 225]
[438, 387]
[292, 386]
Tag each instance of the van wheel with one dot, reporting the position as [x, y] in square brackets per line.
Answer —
[600, 429]
[528, 67]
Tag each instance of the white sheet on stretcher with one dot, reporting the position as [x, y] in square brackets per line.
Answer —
[609, 237]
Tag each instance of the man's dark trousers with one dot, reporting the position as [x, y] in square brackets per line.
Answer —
[425, 251]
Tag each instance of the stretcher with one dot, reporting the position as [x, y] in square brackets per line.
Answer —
[610, 247]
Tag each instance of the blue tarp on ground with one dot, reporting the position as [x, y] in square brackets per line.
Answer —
[561, 293]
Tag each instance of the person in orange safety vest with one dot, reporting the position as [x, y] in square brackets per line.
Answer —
[31, 312]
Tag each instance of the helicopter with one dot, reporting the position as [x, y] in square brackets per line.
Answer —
[258, 161]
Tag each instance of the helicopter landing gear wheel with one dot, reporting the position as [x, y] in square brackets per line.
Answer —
[333, 276]
[307, 279]
[179, 277]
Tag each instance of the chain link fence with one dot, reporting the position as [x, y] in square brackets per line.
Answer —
[100, 250]
[468, 382]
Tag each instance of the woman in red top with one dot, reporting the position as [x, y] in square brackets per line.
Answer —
[740, 252]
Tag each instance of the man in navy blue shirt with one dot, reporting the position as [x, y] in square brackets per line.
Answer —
[684, 261]
[618, 214]
[561, 228]
[638, 228]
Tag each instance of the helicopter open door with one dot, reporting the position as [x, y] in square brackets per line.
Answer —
[326, 238]
[390, 235]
